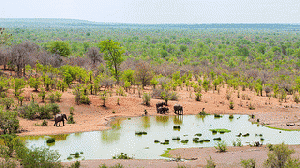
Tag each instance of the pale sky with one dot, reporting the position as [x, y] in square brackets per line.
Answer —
[157, 11]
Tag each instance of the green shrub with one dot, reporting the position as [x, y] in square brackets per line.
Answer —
[174, 96]
[85, 100]
[250, 163]
[238, 143]
[7, 102]
[34, 83]
[42, 94]
[71, 119]
[251, 107]
[51, 97]
[146, 99]
[45, 123]
[29, 111]
[75, 164]
[280, 156]
[231, 105]
[38, 157]
[231, 116]
[122, 156]
[221, 146]
[210, 163]
[198, 96]
[72, 110]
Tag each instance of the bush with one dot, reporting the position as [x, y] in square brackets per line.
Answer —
[156, 93]
[231, 105]
[75, 164]
[7, 102]
[296, 98]
[38, 157]
[45, 123]
[122, 156]
[250, 163]
[29, 111]
[146, 99]
[198, 96]
[210, 163]
[71, 119]
[221, 146]
[251, 107]
[280, 156]
[51, 97]
[85, 100]
[174, 96]
[237, 143]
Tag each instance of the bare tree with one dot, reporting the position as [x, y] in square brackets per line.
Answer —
[4, 57]
[94, 55]
[21, 55]
[143, 73]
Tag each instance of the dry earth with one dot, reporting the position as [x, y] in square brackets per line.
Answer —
[95, 117]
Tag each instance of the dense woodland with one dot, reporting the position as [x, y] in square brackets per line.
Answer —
[50, 59]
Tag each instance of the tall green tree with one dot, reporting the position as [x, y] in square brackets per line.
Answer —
[113, 55]
[59, 47]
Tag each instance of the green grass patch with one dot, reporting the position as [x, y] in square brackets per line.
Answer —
[283, 129]
[166, 154]
[223, 130]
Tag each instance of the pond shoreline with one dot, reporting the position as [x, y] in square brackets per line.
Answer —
[194, 157]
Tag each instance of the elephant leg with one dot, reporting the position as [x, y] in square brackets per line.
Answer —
[63, 122]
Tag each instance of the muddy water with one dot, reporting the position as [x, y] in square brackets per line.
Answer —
[122, 138]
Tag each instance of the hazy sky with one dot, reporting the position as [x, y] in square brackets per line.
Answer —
[157, 11]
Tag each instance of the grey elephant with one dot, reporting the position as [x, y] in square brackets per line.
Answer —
[178, 109]
[162, 110]
[60, 117]
[160, 104]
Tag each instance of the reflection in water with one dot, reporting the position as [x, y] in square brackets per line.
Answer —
[200, 117]
[110, 136]
[162, 119]
[78, 134]
[178, 119]
[116, 123]
[60, 136]
[146, 121]
[105, 144]
[35, 137]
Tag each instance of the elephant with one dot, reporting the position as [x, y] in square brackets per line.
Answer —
[178, 109]
[162, 110]
[59, 118]
[160, 104]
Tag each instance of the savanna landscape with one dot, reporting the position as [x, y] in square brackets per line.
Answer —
[98, 73]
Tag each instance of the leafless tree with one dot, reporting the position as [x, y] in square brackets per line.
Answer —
[95, 56]
[4, 57]
[21, 55]
[143, 73]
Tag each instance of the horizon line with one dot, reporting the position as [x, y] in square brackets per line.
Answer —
[151, 23]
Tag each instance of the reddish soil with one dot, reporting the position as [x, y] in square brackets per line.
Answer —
[95, 117]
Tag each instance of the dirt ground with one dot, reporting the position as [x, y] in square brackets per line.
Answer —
[94, 117]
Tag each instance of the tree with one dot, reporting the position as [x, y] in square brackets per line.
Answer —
[94, 55]
[21, 55]
[113, 55]
[59, 47]
[143, 73]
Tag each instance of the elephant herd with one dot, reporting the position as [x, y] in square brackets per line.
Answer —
[162, 110]
[159, 107]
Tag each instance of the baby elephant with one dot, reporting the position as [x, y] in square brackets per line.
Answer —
[59, 118]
